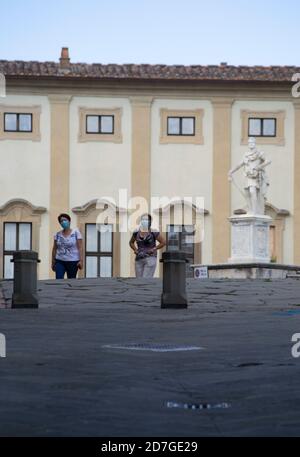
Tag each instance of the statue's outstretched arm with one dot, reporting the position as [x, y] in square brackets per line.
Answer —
[233, 170]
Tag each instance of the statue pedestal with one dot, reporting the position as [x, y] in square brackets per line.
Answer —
[250, 238]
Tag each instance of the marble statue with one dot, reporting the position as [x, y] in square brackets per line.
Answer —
[253, 164]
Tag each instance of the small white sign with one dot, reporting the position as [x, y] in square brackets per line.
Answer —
[201, 272]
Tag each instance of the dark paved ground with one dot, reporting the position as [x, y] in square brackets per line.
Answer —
[59, 380]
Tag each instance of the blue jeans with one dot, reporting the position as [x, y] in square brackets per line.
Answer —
[69, 266]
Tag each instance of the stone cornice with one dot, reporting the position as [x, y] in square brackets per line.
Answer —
[21, 202]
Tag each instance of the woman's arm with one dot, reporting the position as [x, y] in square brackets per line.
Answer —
[132, 244]
[80, 248]
[53, 256]
[161, 244]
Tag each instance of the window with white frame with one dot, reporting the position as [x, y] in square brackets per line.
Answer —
[17, 236]
[98, 250]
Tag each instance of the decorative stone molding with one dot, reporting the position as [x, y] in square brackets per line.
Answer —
[222, 102]
[88, 214]
[115, 137]
[59, 160]
[250, 238]
[141, 100]
[269, 208]
[278, 140]
[296, 211]
[34, 135]
[167, 215]
[102, 204]
[170, 204]
[277, 226]
[221, 192]
[22, 205]
[20, 210]
[198, 114]
[59, 98]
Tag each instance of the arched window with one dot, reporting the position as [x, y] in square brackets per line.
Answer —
[19, 229]
[101, 247]
[182, 234]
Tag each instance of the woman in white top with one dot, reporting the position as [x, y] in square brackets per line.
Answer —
[67, 252]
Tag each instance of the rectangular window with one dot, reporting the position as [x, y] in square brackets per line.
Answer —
[17, 236]
[262, 127]
[107, 124]
[98, 250]
[92, 124]
[184, 126]
[105, 266]
[173, 125]
[8, 267]
[99, 124]
[17, 122]
[91, 267]
[10, 122]
[24, 236]
[91, 244]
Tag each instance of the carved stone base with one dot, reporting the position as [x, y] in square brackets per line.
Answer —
[247, 271]
[250, 238]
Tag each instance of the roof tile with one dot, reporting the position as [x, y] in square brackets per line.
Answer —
[18, 68]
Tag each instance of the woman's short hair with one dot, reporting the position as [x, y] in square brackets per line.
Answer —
[65, 215]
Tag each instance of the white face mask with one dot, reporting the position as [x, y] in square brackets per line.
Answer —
[144, 223]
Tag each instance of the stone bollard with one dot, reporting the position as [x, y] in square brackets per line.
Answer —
[174, 280]
[25, 279]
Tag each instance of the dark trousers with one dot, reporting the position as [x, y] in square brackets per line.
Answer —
[69, 266]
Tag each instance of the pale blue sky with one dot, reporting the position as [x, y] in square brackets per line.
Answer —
[240, 32]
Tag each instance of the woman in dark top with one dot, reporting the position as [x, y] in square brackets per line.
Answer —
[143, 242]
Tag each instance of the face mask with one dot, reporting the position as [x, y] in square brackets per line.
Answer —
[65, 224]
[144, 223]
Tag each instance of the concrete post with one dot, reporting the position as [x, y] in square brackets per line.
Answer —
[25, 279]
[174, 280]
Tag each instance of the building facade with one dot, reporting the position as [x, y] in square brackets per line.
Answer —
[72, 135]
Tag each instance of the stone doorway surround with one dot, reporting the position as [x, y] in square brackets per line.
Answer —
[21, 210]
[88, 213]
